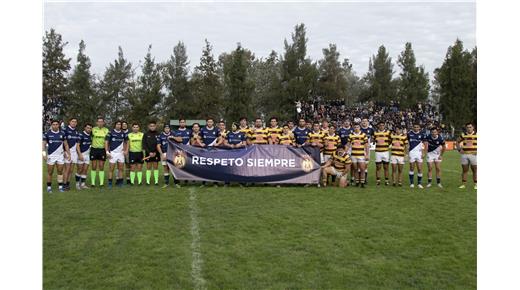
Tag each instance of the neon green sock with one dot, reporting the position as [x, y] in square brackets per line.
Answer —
[148, 176]
[156, 175]
[132, 177]
[140, 177]
[93, 177]
[101, 177]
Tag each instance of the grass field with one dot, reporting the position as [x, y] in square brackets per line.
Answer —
[262, 237]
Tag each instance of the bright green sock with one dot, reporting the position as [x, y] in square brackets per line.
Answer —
[132, 177]
[148, 176]
[101, 177]
[140, 177]
[93, 177]
[156, 175]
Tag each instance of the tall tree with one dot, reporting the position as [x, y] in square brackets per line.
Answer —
[332, 83]
[145, 103]
[379, 77]
[238, 84]
[54, 75]
[413, 83]
[207, 86]
[82, 100]
[354, 85]
[179, 100]
[456, 86]
[117, 87]
[266, 95]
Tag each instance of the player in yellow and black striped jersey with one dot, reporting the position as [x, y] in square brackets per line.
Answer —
[274, 131]
[316, 138]
[286, 138]
[467, 146]
[244, 128]
[358, 144]
[259, 134]
[338, 165]
[331, 141]
[399, 142]
[381, 137]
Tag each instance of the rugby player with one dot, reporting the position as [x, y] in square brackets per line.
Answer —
[358, 145]
[98, 153]
[124, 127]
[135, 154]
[54, 154]
[244, 128]
[290, 124]
[331, 141]
[182, 134]
[415, 153]
[338, 165]
[382, 139]
[435, 146]
[150, 142]
[83, 149]
[467, 146]
[236, 138]
[325, 126]
[286, 138]
[399, 146]
[195, 136]
[365, 128]
[116, 147]
[259, 134]
[222, 133]
[274, 131]
[315, 139]
[71, 138]
[209, 133]
[344, 131]
[301, 133]
[162, 147]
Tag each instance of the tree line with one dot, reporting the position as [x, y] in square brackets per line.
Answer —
[237, 83]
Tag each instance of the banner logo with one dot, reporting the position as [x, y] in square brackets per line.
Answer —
[179, 159]
[307, 164]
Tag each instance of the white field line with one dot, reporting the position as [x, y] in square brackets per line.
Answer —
[196, 255]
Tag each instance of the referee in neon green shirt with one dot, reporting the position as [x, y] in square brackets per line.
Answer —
[97, 152]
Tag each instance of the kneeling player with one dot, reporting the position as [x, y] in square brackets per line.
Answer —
[338, 165]
[435, 146]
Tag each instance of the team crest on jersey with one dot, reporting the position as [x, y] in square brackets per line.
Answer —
[179, 159]
[307, 164]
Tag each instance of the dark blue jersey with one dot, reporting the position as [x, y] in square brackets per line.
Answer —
[434, 144]
[185, 134]
[301, 135]
[236, 137]
[163, 140]
[116, 140]
[72, 136]
[54, 141]
[85, 140]
[369, 131]
[415, 140]
[343, 134]
[209, 135]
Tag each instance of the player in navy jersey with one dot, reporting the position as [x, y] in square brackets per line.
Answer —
[235, 138]
[435, 146]
[344, 131]
[209, 133]
[301, 133]
[126, 130]
[182, 134]
[83, 149]
[54, 154]
[71, 138]
[162, 147]
[415, 153]
[116, 147]
[369, 131]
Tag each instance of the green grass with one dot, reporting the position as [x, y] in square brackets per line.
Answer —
[263, 237]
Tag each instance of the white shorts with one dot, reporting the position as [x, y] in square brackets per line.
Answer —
[415, 156]
[433, 156]
[322, 158]
[336, 172]
[326, 158]
[86, 158]
[397, 159]
[382, 157]
[470, 159]
[163, 159]
[358, 159]
[55, 159]
[73, 157]
[116, 157]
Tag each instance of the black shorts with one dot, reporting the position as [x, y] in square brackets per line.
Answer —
[135, 157]
[156, 158]
[98, 154]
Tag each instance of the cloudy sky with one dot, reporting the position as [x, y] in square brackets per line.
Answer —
[358, 29]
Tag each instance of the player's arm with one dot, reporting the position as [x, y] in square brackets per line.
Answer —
[367, 149]
[44, 149]
[459, 141]
[66, 148]
[159, 149]
[78, 149]
[126, 145]
[425, 147]
[107, 145]
[327, 164]
[443, 148]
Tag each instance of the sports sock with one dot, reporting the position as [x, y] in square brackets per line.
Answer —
[93, 177]
[49, 185]
[156, 176]
[438, 180]
[430, 181]
[78, 178]
[410, 175]
[132, 177]
[366, 174]
[140, 177]
[119, 181]
[110, 182]
[166, 178]
[148, 176]
[419, 178]
[101, 177]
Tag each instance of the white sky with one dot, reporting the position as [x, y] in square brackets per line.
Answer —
[357, 28]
